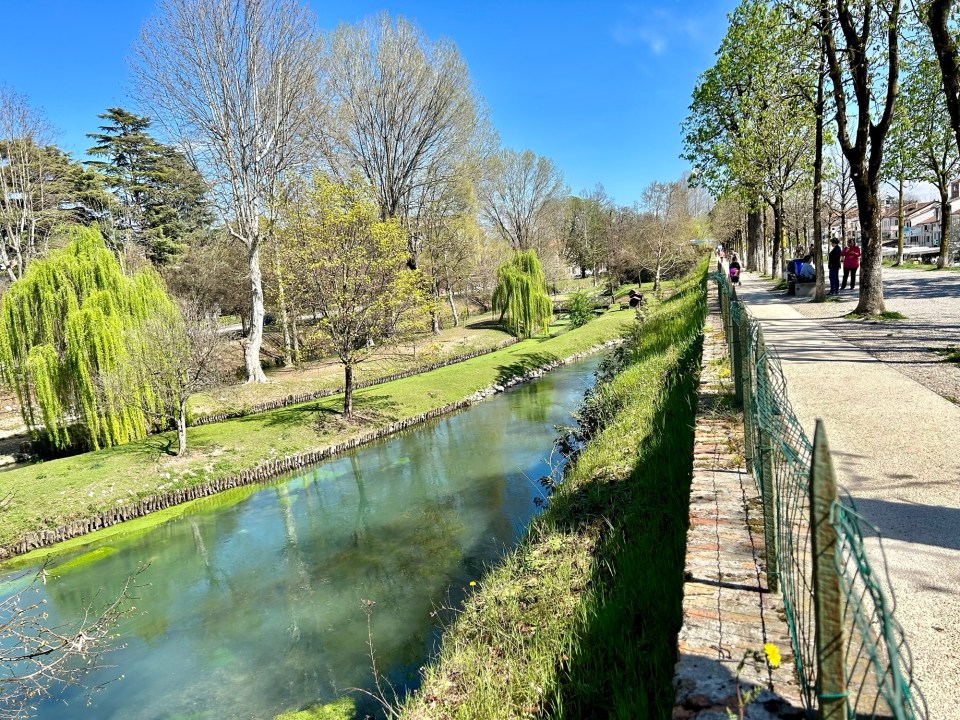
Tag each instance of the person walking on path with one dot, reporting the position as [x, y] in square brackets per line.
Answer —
[851, 263]
[833, 265]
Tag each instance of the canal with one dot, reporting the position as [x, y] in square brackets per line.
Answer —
[252, 603]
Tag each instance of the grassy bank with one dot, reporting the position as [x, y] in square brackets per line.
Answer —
[581, 619]
[50, 494]
[328, 374]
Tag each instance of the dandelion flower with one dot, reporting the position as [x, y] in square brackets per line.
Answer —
[773, 654]
[473, 583]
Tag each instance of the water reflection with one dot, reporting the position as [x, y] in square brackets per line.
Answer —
[253, 599]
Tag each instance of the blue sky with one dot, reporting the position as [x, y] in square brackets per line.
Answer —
[599, 87]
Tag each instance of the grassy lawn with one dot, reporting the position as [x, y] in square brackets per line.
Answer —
[48, 494]
[911, 265]
[328, 374]
[581, 619]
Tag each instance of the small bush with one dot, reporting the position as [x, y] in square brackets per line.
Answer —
[579, 309]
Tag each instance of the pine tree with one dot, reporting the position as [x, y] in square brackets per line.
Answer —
[521, 295]
[160, 194]
[68, 334]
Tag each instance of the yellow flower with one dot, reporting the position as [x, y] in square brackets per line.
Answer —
[773, 654]
[472, 583]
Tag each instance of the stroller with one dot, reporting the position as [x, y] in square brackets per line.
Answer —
[735, 275]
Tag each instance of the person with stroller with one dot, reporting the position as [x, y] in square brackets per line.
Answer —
[734, 269]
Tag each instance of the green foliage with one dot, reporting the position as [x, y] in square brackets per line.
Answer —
[66, 329]
[521, 295]
[341, 709]
[339, 257]
[581, 619]
[579, 309]
[161, 195]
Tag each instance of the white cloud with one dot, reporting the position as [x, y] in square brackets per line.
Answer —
[656, 28]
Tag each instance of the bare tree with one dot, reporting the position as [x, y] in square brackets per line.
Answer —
[179, 356]
[664, 241]
[37, 656]
[517, 194]
[404, 112]
[234, 82]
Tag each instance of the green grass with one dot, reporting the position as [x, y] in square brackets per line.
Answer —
[885, 316]
[341, 709]
[49, 494]
[327, 374]
[949, 354]
[581, 619]
[911, 265]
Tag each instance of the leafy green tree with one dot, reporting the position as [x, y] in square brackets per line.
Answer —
[940, 18]
[161, 197]
[66, 329]
[862, 44]
[579, 309]
[897, 163]
[931, 146]
[521, 295]
[352, 268]
[751, 125]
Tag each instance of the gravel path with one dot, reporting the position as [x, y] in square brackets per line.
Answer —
[893, 441]
[931, 303]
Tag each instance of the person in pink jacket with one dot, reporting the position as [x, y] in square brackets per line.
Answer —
[851, 263]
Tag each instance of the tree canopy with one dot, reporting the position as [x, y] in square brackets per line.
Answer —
[66, 329]
[521, 295]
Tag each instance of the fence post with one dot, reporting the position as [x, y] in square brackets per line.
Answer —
[831, 673]
[768, 485]
[746, 385]
[736, 367]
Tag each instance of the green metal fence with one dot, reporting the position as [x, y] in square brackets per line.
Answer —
[851, 657]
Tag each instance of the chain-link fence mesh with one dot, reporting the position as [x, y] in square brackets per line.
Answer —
[877, 674]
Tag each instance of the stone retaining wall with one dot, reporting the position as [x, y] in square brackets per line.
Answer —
[267, 470]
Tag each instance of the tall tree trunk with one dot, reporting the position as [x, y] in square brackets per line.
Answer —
[656, 277]
[778, 237]
[435, 313]
[944, 258]
[296, 339]
[182, 426]
[819, 290]
[453, 306]
[254, 339]
[766, 241]
[871, 266]
[753, 240]
[284, 317]
[900, 222]
[348, 389]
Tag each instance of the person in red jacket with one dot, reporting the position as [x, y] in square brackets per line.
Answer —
[851, 263]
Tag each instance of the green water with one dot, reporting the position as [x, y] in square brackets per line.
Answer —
[251, 604]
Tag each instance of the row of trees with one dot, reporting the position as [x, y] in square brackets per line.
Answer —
[794, 79]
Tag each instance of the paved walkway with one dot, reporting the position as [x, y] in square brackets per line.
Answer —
[895, 444]
[727, 614]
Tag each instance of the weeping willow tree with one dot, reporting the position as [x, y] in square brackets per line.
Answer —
[68, 330]
[521, 295]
